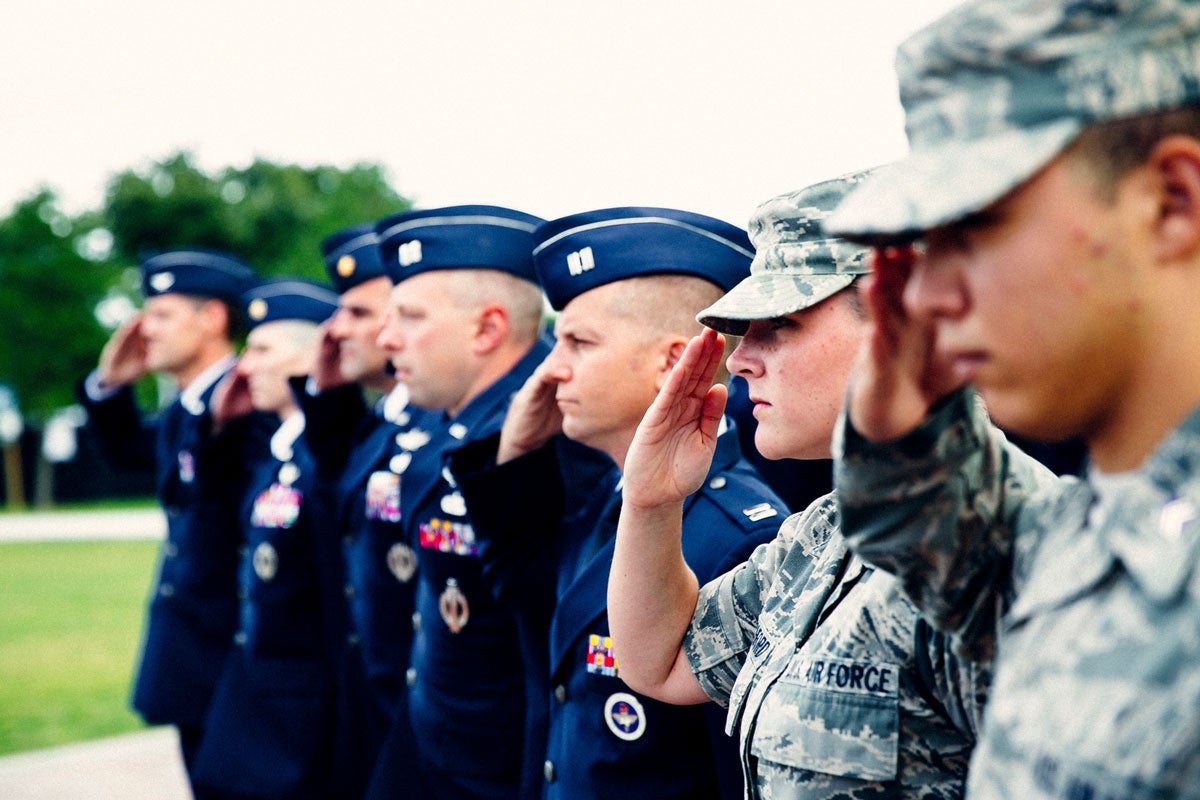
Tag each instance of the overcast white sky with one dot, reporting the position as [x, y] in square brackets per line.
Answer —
[550, 107]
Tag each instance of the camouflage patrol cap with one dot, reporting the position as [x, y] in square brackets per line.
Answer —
[796, 265]
[994, 90]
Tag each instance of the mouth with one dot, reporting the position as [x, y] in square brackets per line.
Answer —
[965, 365]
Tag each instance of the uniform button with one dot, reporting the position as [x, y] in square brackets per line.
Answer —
[410, 676]
[167, 590]
[549, 772]
[352, 639]
[239, 638]
[717, 482]
[170, 550]
[348, 590]
[560, 693]
[416, 621]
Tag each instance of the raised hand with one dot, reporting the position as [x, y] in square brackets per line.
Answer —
[230, 399]
[123, 359]
[898, 375]
[328, 370]
[533, 417]
[674, 444]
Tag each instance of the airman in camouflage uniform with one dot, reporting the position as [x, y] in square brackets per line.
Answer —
[834, 685]
[1059, 279]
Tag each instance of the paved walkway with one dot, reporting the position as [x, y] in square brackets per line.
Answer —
[130, 523]
[137, 766]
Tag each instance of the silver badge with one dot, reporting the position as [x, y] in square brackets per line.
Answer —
[288, 473]
[453, 607]
[400, 462]
[402, 562]
[161, 281]
[266, 561]
[454, 505]
[625, 716]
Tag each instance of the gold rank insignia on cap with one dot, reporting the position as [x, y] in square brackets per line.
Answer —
[257, 309]
[346, 265]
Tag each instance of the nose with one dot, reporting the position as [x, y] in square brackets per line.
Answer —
[337, 325]
[390, 339]
[935, 286]
[555, 364]
[744, 359]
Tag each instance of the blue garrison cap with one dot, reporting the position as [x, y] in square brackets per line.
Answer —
[196, 272]
[583, 251]
[458, 237]
[288, 299]
[352, 256]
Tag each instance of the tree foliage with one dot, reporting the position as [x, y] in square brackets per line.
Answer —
[62, 277]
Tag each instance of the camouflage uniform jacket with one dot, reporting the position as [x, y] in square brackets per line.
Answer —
[836, 688]
[1090, 604]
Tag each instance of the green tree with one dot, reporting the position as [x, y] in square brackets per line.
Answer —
[51, 335]
[271, 215]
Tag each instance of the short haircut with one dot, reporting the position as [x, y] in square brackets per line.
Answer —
[523, 299]
[1110, 150]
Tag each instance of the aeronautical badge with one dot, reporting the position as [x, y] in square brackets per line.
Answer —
[414, 439]
[454, 505]
[625, 716]
[266, 561]
[383, 496]
[277, 507]
[187, 466]
[288, 473]
[346, 265]
[400, 462]
[601, 660]
[453, 607]
[402, 562]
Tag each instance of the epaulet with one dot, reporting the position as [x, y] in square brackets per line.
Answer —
[744, 497]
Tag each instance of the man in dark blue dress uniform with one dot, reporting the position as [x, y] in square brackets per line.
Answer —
[464, 332]
[355, 409]
[268, 733]
[185, 331]
[628, 283]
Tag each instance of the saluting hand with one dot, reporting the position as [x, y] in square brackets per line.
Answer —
[674, 444]
[328, 371]
[123, 359]
[230, 399]
[533, 417]
[898, 375]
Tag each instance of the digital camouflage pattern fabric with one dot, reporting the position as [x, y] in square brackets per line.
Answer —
[1087, 593]
[834, 686]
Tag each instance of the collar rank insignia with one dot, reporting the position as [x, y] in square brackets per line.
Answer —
[413, 440]
[760, 512]
[600, 657]
[625, 716]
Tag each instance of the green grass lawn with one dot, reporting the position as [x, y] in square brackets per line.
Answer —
[70, 626]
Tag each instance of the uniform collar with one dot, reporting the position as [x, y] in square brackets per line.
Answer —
[191, 397]
[284, 438]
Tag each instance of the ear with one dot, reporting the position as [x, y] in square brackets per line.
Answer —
[1175, 162]
[215, 316]
[672, 351]
[491, 328]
